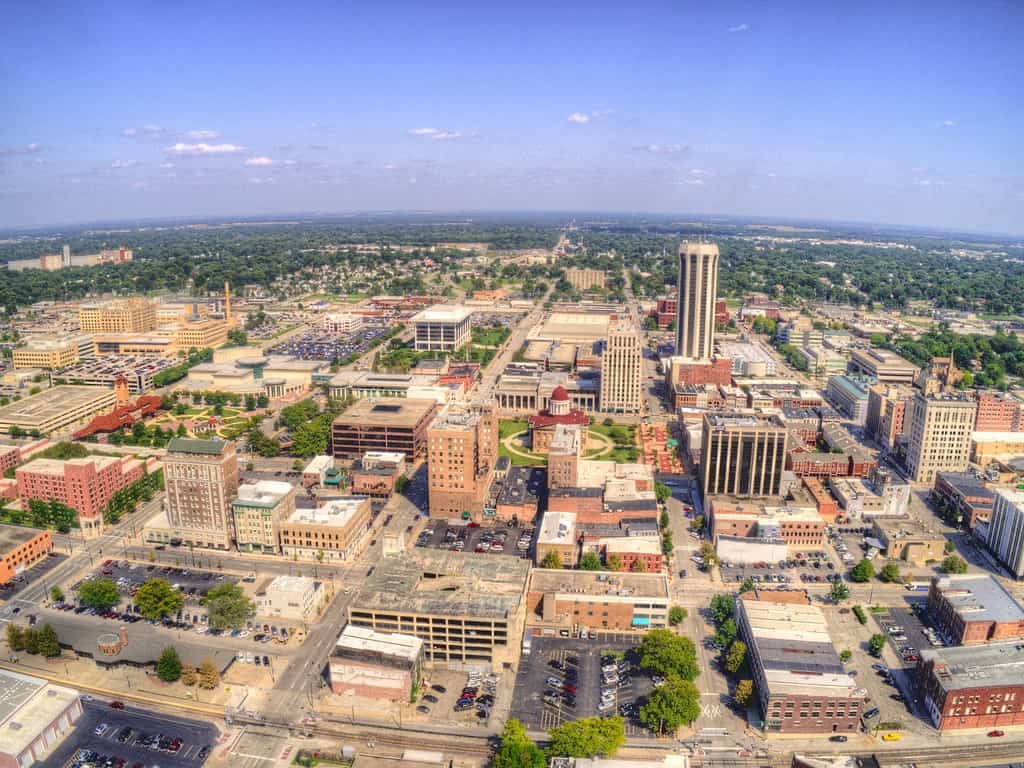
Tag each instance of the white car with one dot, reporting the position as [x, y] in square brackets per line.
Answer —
[100, 729]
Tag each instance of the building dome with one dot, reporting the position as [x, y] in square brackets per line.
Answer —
[558, 404]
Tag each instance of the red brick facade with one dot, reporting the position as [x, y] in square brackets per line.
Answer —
[85, 485]
[981, 707]
[997, 413]
[22, 556]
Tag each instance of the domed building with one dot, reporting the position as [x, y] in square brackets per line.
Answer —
[559, 411]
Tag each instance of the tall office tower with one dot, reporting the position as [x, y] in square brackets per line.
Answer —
[1006, 529]
[939, 430]
[201, 478]
[134, 315]
[66, 255]
[622, 369]
[695, 306]
[462, 450]
[743, 455]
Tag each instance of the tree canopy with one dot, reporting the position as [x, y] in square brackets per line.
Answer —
[100, 594]
[588, 737]
[665, 653]
[517, 750]
[674, 703]
[156, 599]
[228, 607]
[862, 571]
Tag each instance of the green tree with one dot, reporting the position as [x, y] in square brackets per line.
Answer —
[726, 632]
[100, 594]
[188, 675]
[676, 615]
[846, 655]
[862, 571]
[954, 564]
[168, 668]
[665, 653]
[747, 585]
[722, 607]
[56, 594]
[876, 644]
[551, 560]
[661, 492]
[15, 637]
[516, 750]
[839, 592]
[614, 563]
[742, 692]
[674, 703]
[890, 573]
[156, 599]
[227, 606]
[666, 543]
[735, 656]
[588, 737]
[590, 561]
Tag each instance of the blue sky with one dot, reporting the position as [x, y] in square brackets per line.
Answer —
[890, 112]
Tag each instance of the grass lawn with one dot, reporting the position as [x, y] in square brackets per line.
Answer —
[490, 337]
[521, 461]
[621, 455]
[508, 427]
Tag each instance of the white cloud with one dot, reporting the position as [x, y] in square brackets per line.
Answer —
[166, 164]
[739, 28]
[447, 135]
[130, 131]
[579, 118]
[435, 133]
[259, 161]
[204, 149]
[123, 164]
[202, 135]
[701, 172]
[691, 182]
[948, 123]
[423, 131]
[771, 174]
[663, 149]
[27, 149]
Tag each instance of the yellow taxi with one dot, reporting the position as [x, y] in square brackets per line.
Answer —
[891, 737]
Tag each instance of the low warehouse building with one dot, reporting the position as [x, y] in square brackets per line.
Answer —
[972, 686]
[35, 716]
[974, 608]
[376, 665]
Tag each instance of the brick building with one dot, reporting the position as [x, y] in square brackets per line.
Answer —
[383, 424]
[997, 412]
[973, 686]
[800, 681]
[20, 549]
[375, 474]
[86, 485]
[975, 608]
[375, 665]
[634, 553]
[966, 494]
[597, 600]
[795, 523]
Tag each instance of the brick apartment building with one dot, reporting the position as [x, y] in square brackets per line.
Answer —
[86, 485]
[997, 412]
[796, 524]
[973, 609]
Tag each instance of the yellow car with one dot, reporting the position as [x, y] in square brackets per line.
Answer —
[891, 737]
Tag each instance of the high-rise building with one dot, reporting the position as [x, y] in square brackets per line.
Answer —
[201, 477]
[461, 454]
[582, 279]
[1006, 529]
[743, 454]
[66, 255]
[622, 369]
[134, 315]
[939, 431]
[697, 289]
[887, 409]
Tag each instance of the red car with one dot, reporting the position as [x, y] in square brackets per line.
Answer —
[117, 705]
[996, 733]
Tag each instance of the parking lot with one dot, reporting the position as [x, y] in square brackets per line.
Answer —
[916, 632]
[134, 738]
[13, 588]
[499, 539]
[194, 584]
[562, 679]
[800, 568]
[319, 345]
[848, 542]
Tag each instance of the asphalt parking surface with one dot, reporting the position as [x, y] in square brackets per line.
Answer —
[534, 670]
[320, 345]
[473, 538]
[194, 734]
[12, 589]
[188, 578]
[913, 627]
